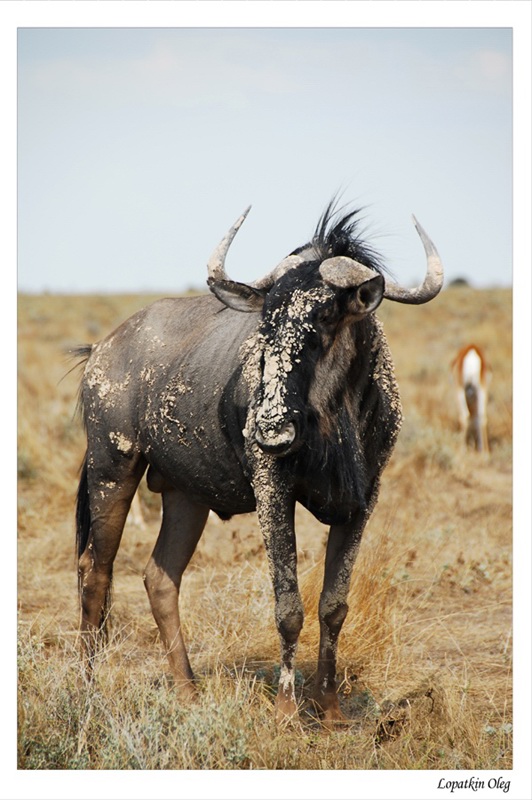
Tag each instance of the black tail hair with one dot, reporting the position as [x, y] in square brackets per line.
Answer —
[83, 529]
[83, 512]
[81, 352]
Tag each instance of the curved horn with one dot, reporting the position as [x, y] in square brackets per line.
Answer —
[306, 253]
[268, 280]
[216, 265]
[345, 273]
[433, 279]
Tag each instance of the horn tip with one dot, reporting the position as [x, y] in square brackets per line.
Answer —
[241, 218]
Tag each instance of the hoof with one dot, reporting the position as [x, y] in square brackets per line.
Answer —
[332, 720]
[186, 690]
[328, 707]
[286, 710]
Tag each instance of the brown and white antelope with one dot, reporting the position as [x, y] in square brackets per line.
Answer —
[472, 375]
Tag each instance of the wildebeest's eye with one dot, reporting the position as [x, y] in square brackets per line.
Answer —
[313, 340]
[326, 317]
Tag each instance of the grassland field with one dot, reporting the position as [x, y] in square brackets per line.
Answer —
[425, 656]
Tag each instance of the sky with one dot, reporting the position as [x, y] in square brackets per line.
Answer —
[139, 147]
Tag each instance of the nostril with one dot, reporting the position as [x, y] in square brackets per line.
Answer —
[286, 430]
[275, 438]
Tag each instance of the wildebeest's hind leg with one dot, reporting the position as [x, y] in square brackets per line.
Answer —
[104, 498]
[182, 525]
[342, 549]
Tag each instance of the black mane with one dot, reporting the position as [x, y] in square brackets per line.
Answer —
[339, 234]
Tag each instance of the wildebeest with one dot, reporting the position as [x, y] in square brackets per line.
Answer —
[472, 375]
[258, 396]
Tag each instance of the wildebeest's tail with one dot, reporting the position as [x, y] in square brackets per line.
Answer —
[83, 512]
[83, 528]
[82, 352]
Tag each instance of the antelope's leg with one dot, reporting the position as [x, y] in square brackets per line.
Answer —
[483, 420]
[182, 525]
[484, 436]
[463, 411]
[341, 553]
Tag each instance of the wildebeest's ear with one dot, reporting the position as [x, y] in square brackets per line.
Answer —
[238, 296]
[367, 297]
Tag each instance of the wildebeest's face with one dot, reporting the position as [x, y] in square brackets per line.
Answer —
[305, 316]
[309, 303]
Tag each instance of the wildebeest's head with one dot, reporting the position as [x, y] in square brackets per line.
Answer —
[308, 305]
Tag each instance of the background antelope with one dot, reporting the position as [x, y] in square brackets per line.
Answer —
[472, 375]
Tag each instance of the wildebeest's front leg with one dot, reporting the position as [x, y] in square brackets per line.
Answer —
[275, 509]
[342, 549]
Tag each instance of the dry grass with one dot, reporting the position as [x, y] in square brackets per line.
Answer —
[425, 653]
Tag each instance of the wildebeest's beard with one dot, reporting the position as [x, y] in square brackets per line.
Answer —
[332, 455]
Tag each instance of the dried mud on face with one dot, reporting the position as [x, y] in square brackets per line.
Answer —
[425, 653]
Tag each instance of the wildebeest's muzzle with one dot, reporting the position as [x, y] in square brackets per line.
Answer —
[277, 440]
